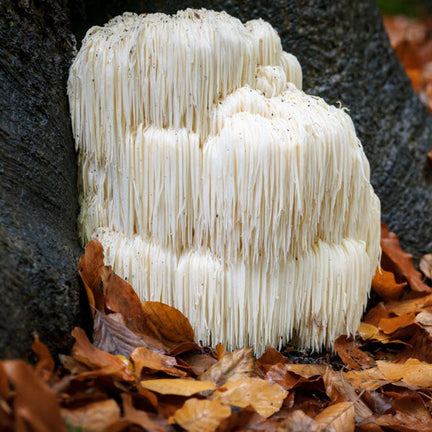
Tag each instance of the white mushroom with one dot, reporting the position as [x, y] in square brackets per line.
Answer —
[216, 185]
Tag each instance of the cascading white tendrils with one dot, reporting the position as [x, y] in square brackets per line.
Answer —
[219, 187]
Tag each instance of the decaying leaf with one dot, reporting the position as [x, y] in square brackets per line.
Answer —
[113, 336]
[408, 306]
[174, 328]
[45, 365]
[179, 386]
[351, 354]
[35, 404]
[401, 260]
[231, 367]
[385, 285]
[264, 396]
[152, 362]
[401, 422]
[338, 417]
[89, 268]
[426, 260]
[86, 353]
[93, 417]
[198, 415]
[369, 379]
[390, 325]
[412, 372]
[298, 421]
[306, 370]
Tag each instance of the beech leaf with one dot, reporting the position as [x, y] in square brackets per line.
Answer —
[198, 415]
[265, 397]
[86, 353]
[177, 386]
[390, 325]
[231, 367]
[401, 260]
[92, 417]
[152, 362]
[298, 421]
[385, 285]
[338, 417]
[426, 262]
[412, 372]
[351, 355]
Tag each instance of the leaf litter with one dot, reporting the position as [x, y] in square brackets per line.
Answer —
[144, 370]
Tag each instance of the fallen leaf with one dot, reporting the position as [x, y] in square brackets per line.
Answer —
[368, 331]
[351, 355]
[411, 403]
[376, 314]
[72, 365]
[369, 379]
[198, 415]
[89, 268]
[424, 318]
[298, 421]
[113, 336]
[390, 325]
[45, 365]
[35, 404]
[93, 417]
[430, 156]
[240, 419]
[384, 284]
[4, 382]
[173, 327]
[220, 349]
[338, 389]
[306, 370]
[198, 362]
[264, 396]
[426, 260]
[152, 362]
[86, 353]
[338, 417]
[412, 372]
[401, 422]
[288, 380]
[419, 346]
[138, 417]
[271, 357]
[408, 306]
[402, 260]
[177, 386]
[231, 367]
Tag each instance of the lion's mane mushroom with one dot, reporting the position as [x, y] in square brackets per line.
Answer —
[219, 187]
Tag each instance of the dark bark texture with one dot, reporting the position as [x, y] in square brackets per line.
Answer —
[38, 199]
[345, 55]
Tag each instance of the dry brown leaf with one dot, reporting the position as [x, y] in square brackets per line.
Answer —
[279, 374]
[368, 331]
[138, 417]
[411, 403]
[298, 421]
[220, 349]
[198, 415]
[410, 305]
[4, 382]
[390, 325]
[152, 362]
[89, 268]
[426, 260]
[430, 156]
[93, 417]
[369, 379]
[401, 422]
[86, 353]
[338, 417]
[174, 328]
[112, 336]
[231, 367]
[45, 365]
[35, 404]
[401, 260]
[265, 397]
[177, 386]
[198, 362]
[412, 372]
[271, 357]
[376, 314]
[384, 284]
[351, 355]
[306, 370]
[338, 389]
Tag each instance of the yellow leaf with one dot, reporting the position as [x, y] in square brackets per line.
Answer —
[338, 417]
[264, 396]
[412, 372]
[201, 415]
[179, 386]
